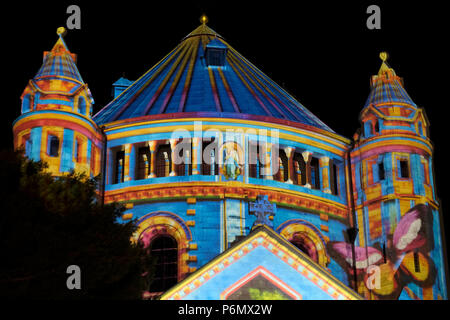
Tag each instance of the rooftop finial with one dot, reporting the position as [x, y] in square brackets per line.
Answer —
[204, 19]
[61, 31]
[384, 56]
[384, 65]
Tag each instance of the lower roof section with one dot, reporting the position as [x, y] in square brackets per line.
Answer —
[263, 265]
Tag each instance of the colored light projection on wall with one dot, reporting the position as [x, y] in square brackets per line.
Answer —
[405, 260]
[264, 265]
[261, 284]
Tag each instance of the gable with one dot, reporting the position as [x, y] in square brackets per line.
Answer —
[261, 266]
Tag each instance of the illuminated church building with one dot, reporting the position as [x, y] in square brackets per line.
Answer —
[239, 190]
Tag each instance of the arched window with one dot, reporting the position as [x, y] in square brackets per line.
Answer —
[368, 130]
[164, 250]
[119, 169]
[183, 166]
[143, 163]
[53, 146]
[315, 175]
[282, 174]
[163, 161]
[299, 169]
[254, 163]
[78, 150]
[334, 178]
[26, 103]
[209, 157]
[419, 125]
[305, 244]
[82, 105]
[307, 238]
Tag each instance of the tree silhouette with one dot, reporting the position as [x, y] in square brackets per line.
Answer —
[49, 223]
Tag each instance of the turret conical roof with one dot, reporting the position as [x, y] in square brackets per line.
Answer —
[59, 62]
[387, 88]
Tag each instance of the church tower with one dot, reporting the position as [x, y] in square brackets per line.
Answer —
[397, 211]
[55, 124]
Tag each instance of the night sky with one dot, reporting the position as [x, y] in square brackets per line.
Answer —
[321, 53]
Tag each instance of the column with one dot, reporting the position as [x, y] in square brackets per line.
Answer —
[268, 163]
[307, 156]
[129, 164]
[152, 147]
[187, 162]
[246, 155]
[110, 166]
[173, 143]
[195, 155]
[290, 169]
[324, 168]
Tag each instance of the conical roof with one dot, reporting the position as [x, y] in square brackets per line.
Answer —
[59, 62]
[185, 82]
[387, 88]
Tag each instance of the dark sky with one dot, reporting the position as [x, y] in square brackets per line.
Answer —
[321, 52]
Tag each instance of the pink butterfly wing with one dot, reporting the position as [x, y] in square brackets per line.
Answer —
[364, 257]
[410, 232]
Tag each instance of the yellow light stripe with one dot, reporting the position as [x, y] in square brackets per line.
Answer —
[229, 91]
[241, 77]
[176, 79]
[395, 142]
[325, 135]
[162, 85]
[45, 116]
[277, 87]
[187, 82]
[332, 139]
[259, 87]
[214, 90]
[223, 128]
[227, 184]
[63, 93]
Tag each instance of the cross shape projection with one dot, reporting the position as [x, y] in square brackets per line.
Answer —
[263, 210]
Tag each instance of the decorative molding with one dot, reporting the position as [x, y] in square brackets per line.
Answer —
[297, 200]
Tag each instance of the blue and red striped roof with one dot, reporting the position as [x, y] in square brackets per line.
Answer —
[387, 89]
[60, 63]
[183, 83]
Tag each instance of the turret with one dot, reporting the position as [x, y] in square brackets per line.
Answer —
[394, 193]
[55, 125]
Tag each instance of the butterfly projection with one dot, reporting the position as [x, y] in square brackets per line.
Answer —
[404, 259]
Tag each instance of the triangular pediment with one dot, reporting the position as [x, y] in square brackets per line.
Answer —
[263, 265]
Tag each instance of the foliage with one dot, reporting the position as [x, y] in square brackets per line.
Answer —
[48, 224]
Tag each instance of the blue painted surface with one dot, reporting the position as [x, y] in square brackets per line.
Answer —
[66, 151]
[55, 101]
[205, 233]
[260, 256]
[26, 105]
[35, 137]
